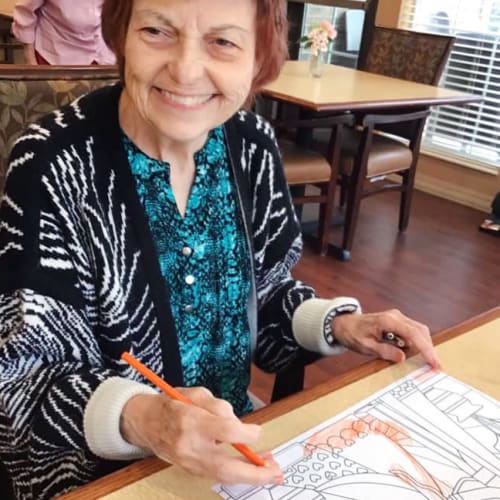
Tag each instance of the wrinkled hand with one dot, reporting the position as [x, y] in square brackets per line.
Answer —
[364, 333]
[190, 436]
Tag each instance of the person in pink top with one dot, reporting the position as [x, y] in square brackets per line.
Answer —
[61, 32]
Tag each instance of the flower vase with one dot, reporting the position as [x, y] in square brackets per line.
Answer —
[317, 64]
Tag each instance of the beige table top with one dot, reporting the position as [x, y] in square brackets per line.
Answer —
[7, 8]
[346, 89]
[469, 352]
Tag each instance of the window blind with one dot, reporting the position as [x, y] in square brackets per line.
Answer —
[468, 134]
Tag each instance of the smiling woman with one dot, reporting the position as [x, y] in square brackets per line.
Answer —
[154, 217]
[186, 72]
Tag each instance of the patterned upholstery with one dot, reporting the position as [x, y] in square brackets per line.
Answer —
[27, 93]
[389, 51]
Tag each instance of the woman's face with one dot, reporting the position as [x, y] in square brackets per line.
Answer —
[189, 65]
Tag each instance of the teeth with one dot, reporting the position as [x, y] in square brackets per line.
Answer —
[187, 100]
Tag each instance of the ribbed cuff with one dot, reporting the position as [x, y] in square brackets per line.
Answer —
[311, 323]
[101, 419]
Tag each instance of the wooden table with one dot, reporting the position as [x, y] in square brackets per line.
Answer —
[7, 9]
[342, 89]
[475, 363]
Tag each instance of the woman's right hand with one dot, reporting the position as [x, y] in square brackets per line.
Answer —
[29, 54]
[190, 436]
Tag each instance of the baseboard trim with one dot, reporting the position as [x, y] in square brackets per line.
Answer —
[453, 192]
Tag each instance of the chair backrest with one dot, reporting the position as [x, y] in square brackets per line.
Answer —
[28, 92]
[409, 55]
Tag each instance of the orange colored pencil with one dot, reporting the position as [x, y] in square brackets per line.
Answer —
[175, 394]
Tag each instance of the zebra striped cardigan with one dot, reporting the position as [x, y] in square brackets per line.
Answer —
[80, 281]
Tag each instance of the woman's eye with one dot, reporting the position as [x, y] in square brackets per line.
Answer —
[222, 42]
[151, 31]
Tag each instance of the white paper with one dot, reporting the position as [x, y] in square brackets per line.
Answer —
[426, 437]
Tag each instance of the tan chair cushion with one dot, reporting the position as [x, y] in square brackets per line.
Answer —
[303, 166]
[386, 155]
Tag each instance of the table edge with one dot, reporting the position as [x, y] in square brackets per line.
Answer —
[373, 105]
[139, 470]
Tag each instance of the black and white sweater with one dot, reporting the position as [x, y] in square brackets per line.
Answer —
[80, 282]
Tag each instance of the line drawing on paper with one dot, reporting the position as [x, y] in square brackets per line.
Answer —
[426, 437]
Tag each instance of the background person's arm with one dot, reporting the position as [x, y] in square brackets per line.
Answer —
[29, 54]
[24, 26]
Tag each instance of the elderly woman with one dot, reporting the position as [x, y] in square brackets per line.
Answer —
[154, 217]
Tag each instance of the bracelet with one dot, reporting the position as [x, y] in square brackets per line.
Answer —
[312, 323]
[331, 315]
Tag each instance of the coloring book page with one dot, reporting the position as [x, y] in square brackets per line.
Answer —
[428, 436]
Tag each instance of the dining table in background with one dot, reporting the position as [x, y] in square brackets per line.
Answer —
[7, 9]
[346, 90]
[342, 89]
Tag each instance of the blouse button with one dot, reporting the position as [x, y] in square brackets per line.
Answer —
[187, 252]
[189, 279]
[189, 308]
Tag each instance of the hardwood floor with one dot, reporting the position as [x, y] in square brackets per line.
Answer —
[441, 271]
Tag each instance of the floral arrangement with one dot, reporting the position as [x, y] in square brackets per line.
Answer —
[319, 38]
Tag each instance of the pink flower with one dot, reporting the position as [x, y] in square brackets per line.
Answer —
[330, 30]
[319, 37]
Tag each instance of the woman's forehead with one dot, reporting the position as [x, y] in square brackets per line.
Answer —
[206, 14]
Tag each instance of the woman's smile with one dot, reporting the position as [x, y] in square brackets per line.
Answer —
[188, 68]
[185, 101]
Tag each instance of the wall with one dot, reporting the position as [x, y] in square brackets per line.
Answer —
[388, 12]
[440, 177]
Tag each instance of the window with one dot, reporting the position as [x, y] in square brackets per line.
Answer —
[349, 25]
[468, 134]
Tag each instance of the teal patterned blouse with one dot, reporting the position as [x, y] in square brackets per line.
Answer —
[204, 259]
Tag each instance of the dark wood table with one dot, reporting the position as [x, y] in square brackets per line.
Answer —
[478, 368]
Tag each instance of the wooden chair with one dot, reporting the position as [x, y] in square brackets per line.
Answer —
[369, 157]
[28, 92]
[388, 143]
[408, 55]
[291, 379]
[305, 167]
[8, 46]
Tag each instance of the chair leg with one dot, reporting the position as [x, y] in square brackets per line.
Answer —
[288, 381]
[298, 192]
[408, 182]
[352, 212]
[344, 188]
[325, 218]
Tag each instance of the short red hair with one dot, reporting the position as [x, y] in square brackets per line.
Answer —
[271, 48]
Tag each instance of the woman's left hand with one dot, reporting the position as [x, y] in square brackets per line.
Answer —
[364, 333]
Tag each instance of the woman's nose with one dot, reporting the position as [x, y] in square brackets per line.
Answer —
[188, 63]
